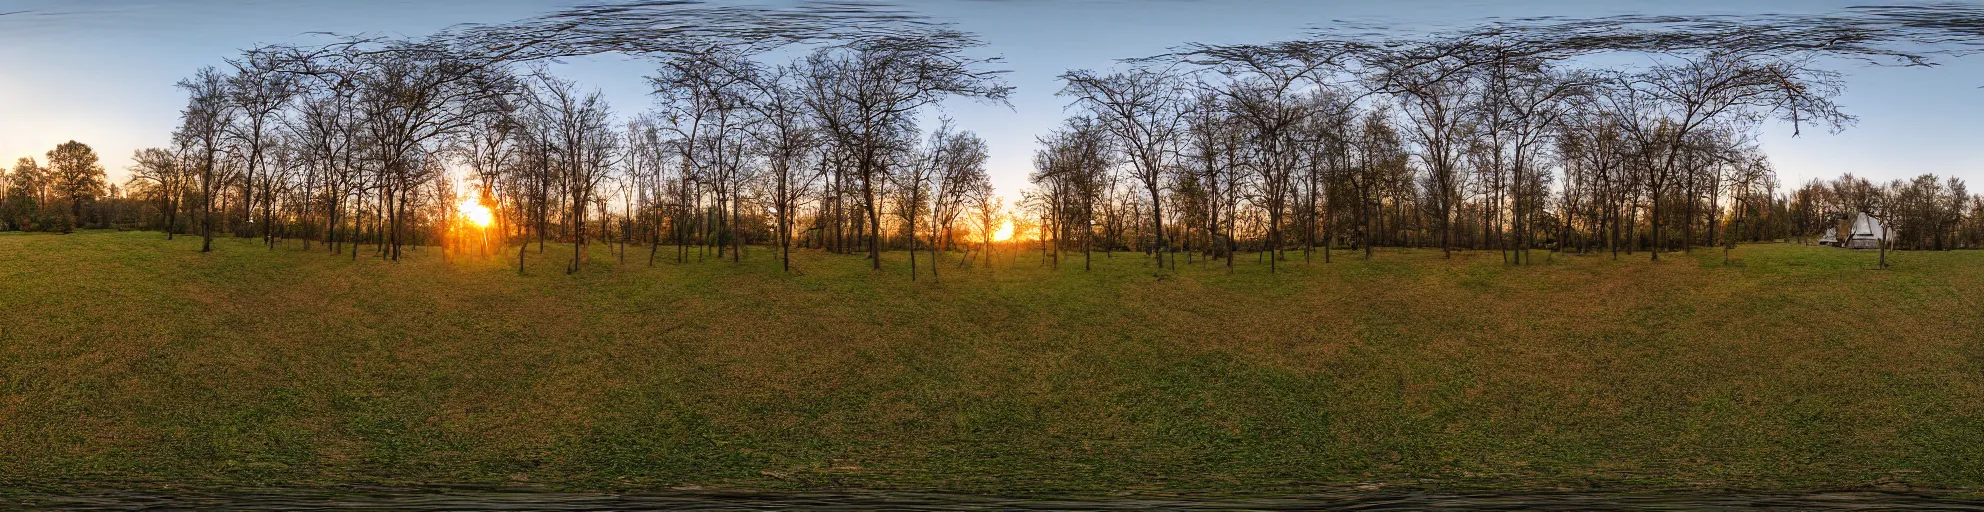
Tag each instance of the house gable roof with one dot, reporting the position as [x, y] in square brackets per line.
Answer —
[1867, 227]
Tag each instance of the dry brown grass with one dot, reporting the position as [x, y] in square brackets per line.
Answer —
[130, 359]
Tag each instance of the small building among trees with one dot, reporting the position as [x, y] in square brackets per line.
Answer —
[1867, 233]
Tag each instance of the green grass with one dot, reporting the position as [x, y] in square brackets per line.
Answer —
[127, 360]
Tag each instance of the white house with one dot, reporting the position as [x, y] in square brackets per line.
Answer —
[1868, 233]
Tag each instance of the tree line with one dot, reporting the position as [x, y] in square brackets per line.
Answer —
[70, 191]
[1502, 137]
[353, 147]
[1499, 138]
[352, 143]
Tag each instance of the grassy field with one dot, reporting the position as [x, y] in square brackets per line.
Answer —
[127, 360]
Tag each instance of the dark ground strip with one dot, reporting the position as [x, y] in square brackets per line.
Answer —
[416, 500]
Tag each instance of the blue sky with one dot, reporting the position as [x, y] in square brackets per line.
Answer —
[102, 71]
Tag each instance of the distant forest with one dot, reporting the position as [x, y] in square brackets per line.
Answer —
[1500, 137]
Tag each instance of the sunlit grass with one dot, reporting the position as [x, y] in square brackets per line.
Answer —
[126, 358]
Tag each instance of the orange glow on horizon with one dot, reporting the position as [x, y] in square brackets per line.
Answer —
[1004, 233]
[475, 213]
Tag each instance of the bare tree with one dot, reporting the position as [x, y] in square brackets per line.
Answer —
[1662, 106]
[204, 123]
[958, 159]
[258, 90]
[1074, 166]
[705, 98]
[583, 139]
[787, 138]
[1524, 101]
[865, 97]
[911, 180]
[163, 169]
[1213, 144]
[1432, 80]
[1143, 110]
[1265, 93]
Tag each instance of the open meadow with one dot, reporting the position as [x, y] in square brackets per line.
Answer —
[128, 360]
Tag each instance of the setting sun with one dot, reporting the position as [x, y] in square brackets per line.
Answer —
[1004, 233]
[475, 213]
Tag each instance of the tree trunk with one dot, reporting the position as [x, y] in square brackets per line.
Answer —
[1157, 225]
[207, 205]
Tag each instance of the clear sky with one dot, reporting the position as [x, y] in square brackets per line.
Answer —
[102, 71]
